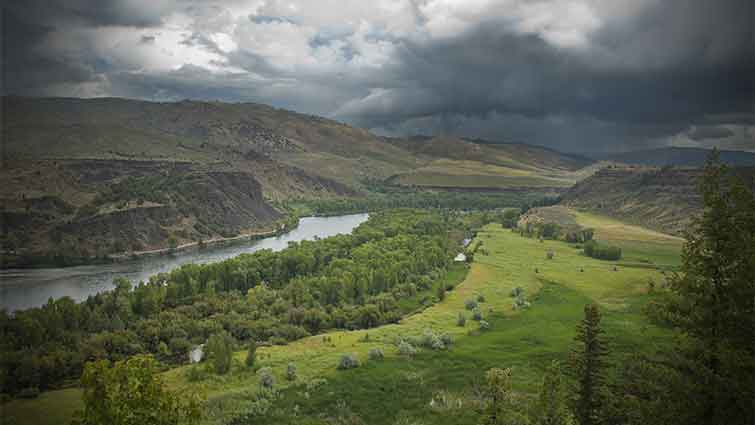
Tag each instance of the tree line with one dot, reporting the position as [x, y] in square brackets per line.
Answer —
[386, 268]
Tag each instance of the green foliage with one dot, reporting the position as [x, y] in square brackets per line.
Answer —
[406, 349]
[551, 407]
[251, 354]
[267, 379]
[477, 314]
[470, 304]
[348, 361]
[501, 407]
[588, 366]
[219, 352]
[382, 271]
[461, 319]
[484, 325]
[375, 354]
[601, 251]
[712, 302]
[291, 372]
[131, 392]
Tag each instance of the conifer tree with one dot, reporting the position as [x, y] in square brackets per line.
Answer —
[588, 364]
[551, 407]
[712, 301]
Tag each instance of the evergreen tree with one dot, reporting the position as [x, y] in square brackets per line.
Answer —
[251, 354]
[551, 407]
[588, 363]
[220, 352]
[712, 301]
[500, 407]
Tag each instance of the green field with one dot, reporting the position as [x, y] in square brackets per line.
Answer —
[526, 340]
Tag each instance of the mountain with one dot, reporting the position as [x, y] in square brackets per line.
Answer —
[93, 177]
[692, 157]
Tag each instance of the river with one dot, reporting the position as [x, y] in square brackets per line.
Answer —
[24, 288]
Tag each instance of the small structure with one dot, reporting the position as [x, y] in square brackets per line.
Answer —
[195, 355]
[460, 258]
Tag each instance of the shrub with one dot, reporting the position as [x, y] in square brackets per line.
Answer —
[196, 373]
[431, 340]
[348, 361]
[291, 372]
[251, 354]
[375, 354]
[461, 320]
[484, 325]
[476, 314]
[267, 380]
[601, 251]
[516, 292]
[406, 349]
[480, 298]
[441, 293]
[470, 304]
[446, 339]
[549, 255]
[520, 302]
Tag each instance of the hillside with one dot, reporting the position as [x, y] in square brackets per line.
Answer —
[663, 199]
[87, 178]
[454, 162]
[691, 157]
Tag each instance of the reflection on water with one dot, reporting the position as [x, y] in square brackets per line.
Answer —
[21, 289]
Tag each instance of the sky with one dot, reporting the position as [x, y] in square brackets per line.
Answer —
[574, 75]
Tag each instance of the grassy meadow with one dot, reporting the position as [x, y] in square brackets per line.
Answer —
[438, 387]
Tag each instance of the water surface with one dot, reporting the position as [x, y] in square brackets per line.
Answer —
[24, 288]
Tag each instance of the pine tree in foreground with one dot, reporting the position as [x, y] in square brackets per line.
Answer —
[551, 407]
[588, 363]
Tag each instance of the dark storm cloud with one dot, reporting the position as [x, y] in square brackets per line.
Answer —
[582, 75]
[709, 132]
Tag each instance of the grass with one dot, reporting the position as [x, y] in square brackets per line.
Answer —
[381, 392]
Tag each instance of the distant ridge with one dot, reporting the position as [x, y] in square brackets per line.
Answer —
[692, 157]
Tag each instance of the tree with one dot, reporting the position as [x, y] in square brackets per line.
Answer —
[220, 352]
[588, 363]
[712, 301]
[251, 354]
[551, 407]
[500, 407]
[130, 393]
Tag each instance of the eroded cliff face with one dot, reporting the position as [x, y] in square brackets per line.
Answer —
[665, 199]
[91, 208]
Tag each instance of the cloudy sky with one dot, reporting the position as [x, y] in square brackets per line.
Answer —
[576, 75]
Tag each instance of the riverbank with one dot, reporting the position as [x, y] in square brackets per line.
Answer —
[13, 261]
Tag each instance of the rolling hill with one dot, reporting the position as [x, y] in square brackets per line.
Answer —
[690, 157]
[455, 162]
[93, 177]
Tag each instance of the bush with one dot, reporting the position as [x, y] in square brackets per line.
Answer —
[461, 320]
[267, 380]
[517, 292]
[348, 361]
[520, 302]
[375, 354]
[446, 339]
[406, 349]
[484, 325]
[196, 373]
[476, 314]
[291, 372]
[431, 340]
[470, 304]
[480, 298]
[549, 255]
[251, 354]
[602, 252]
